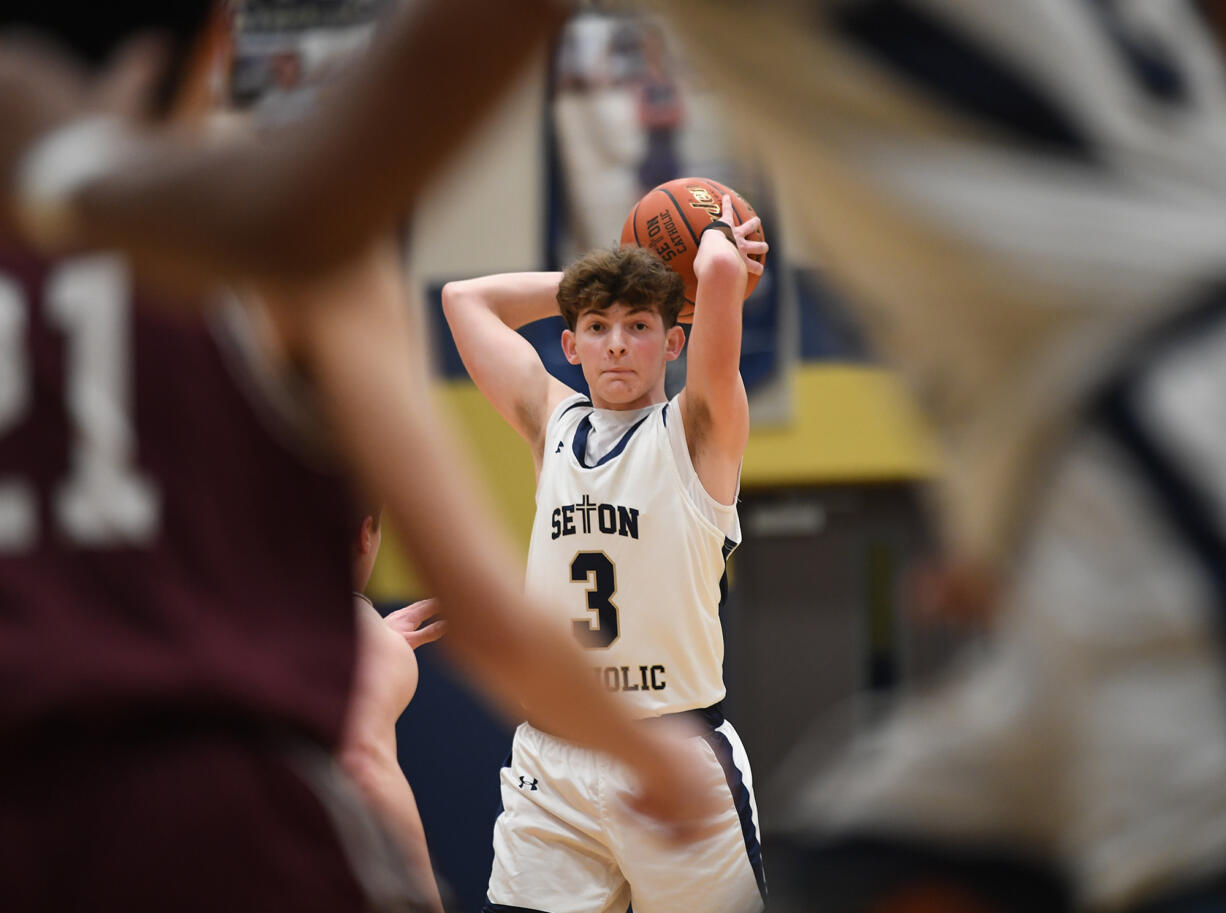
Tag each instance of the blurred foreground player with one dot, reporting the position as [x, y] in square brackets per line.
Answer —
[171, 704]
[1027, 203]
[177, 637]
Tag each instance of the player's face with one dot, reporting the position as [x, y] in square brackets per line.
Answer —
[623, 353]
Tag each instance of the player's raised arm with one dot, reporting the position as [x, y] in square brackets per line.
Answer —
[713, 404]
[484, 315]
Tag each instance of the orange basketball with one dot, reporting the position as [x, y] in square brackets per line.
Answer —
[670, 218]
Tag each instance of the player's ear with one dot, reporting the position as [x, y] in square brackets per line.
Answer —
[367, 538]
[568, 346]
[674, 342]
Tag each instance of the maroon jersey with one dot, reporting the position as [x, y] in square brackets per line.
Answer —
[164, 552]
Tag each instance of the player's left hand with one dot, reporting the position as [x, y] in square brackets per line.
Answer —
[741, 232]
[418, 623]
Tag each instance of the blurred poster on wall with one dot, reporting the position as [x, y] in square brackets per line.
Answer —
[285, 51]
[625, 114]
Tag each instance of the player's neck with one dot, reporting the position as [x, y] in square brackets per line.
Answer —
[651, 398]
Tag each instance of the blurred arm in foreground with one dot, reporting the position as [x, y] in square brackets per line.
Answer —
[301, 199]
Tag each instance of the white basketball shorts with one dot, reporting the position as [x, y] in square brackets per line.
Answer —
[568, 842]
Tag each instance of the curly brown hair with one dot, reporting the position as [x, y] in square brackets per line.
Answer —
[630, 275]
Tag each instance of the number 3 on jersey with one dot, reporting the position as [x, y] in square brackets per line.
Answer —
[596, 569]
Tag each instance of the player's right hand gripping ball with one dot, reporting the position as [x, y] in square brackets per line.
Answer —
[670, 218]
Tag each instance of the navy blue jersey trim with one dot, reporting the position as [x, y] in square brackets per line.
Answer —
[937, 57]
[503, 908]
[582, 404]
[711, 717]
[664, 414]
[1149, 62]
[1205, 309]
[1181, 501]
[1114, 411]
[740, 798]
[728, 549]
[579, 444]
[505, 764]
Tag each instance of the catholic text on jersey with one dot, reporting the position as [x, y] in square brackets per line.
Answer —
[632, 678]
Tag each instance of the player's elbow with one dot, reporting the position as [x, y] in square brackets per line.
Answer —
[365, 762]
[455, 298]
[451, 291]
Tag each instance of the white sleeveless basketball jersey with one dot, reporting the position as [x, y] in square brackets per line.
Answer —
[626, 549]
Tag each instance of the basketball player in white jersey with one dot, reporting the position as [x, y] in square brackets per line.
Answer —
[1027, 202]
[636, 514]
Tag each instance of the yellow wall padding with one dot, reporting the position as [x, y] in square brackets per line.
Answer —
[849, 424]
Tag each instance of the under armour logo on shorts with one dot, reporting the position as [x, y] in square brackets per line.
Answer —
[530, 784]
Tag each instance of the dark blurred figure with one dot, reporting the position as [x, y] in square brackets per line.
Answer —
[1026, 202]
[176, 625]
[660, 109]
